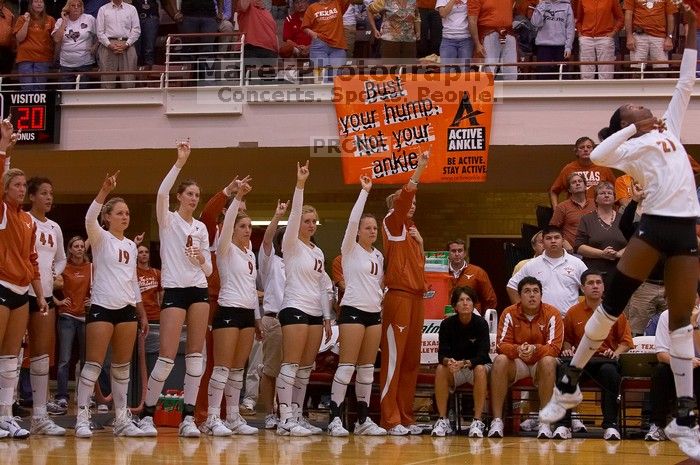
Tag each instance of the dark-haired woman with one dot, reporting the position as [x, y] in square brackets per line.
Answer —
[35, 47]
[360, 322]
[115, 310]
[236, 319]
[42, 327]
[77, 280]
[186, 263]
[19, 270]
[649, 149]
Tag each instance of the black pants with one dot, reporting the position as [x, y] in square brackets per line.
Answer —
[550, 53]
[430, 32]
[663, 392]
[605, 373]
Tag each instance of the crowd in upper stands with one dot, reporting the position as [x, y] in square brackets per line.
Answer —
[38, 36]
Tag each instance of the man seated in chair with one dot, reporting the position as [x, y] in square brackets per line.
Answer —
[529, 338]
[604, 368]
[662, 391]
[463, 352]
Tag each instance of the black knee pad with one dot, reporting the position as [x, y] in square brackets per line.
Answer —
[618, 292]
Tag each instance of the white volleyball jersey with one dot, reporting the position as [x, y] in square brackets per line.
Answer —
[363, 271]
[114, 281]
[304, 266]
[657, 160]
[272, 277]
[237, 269]
[176, 235]
[51, 254]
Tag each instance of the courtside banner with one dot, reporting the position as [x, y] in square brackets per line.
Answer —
[386, 121]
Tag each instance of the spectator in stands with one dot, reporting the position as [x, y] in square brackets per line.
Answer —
[559, 273]
[118, 29]
[350, 18]
[529, 338]
[93, 6]
[431, 24]
[599, 239]
[537, 248]
[7, 40]
[149, 19]
[296, 41]
[323, 22]
[592, 174]
[567, 214]
[74, 34]
[35, 47]
[491, 27]
[464, 273]
[149, 283]
[199, 17]
[279, 9]
[554, 20]
[649, 29]
[623, 189]
[463, 356]
[77, 280]
[603, 368]
[456, 44]
[400, 29]
[225, 22]
[663, 391]
[260, 29]
[597, 23]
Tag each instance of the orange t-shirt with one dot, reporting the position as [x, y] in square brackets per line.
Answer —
[38, 46]
[7, 38]
[476, 278]
[427, 4]
[623, 187]
[491, 14]
[149, 284]
[575, 325]
[522, 7]
[652, 20]
[326, 20]
[567, 215]
[77, 280]
[596, 18]
[593, 174]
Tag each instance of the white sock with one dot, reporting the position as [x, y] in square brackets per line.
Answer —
[39, 378]
[682, 353]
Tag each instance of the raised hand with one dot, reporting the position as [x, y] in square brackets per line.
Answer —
[423, 159]
[366, 182]
[183, 151]
[138, 239]
[243, 190]
[8, 138]
[109, 183]
[303, 172]
[236, 183]
[648, 124]
[281, 208]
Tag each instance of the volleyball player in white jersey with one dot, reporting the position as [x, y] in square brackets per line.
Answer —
[272, 277]
[235, 321]
[42, 327]
[360, 321]
[649, 149]
[186, 263]
[305, 312]
[115, 311]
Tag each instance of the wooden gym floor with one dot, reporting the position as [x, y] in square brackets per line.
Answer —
[268, 448]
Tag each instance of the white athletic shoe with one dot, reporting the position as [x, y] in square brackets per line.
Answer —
[291, 428]
[271, 421]
[611, 434]
[82, 423]
[531, 424]
[558, 405]
[655, 433]
[335, 428]
[146, 425]
[441, 428]
[414, 430]
[398, 430]
[476, 429]
[577, 426]
[304, 423]
[562, 432]
[686, 438]
[125, 426]
[188, 429]
[238, 425]
[46, 426]
[496, 429]
[13, 429]
[214, 426]
[369, 428]
[545, 432]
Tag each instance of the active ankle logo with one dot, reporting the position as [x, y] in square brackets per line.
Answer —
[466, 139]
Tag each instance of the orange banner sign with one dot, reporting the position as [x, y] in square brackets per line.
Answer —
[386, 121]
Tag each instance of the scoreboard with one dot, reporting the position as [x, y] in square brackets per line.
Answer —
[36, 115]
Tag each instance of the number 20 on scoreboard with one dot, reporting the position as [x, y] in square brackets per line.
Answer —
[34, 114]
